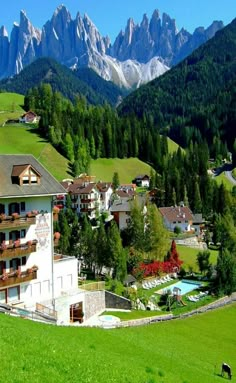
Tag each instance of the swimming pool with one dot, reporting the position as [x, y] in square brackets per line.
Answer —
[185, 286]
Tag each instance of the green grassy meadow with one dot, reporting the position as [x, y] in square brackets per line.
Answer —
[223, 179]
[178, 351]
[23, 139]
[104, 168]
[189, 256]
[10, 106]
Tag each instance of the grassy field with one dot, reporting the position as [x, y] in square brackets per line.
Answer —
[183, 351]
[10, 106]
[22, 139]
[222, 178]
[172, 146]
[189, 256]
[127, 169]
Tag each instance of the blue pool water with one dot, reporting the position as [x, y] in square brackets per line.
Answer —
[185, 286]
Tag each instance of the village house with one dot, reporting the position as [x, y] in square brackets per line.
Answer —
[142, 180]
[85, 198]
[105, 190]
[121, 212]
[177, 216]
[29, 118]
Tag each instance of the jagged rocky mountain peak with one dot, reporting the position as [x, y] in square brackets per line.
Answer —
[152, 45]
[3, 31]
[145, 21]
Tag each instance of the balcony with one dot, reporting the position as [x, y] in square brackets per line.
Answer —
[87, 209]
[16, 220]
[17, 277]
[17, 250]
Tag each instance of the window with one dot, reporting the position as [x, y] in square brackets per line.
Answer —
[2, 208]
[14, 235]
[22, 233]
[23, 261]
[15, 263]
[2, 266]
[14, 207]
[3, 296]
[22, 206]
[13, 294]
[2, 237]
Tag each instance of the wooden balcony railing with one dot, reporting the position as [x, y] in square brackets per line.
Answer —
[87, 209]
[8, 222]
[16, 278]
[12, 251]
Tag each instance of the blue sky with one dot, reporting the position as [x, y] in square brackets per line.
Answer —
[111, 16]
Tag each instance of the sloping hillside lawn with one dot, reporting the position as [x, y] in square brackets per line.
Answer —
[22, 139]
[10, 106]
[183, 351]
[127, 169]
[222, 178]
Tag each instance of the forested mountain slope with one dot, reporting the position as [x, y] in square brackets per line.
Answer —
[81, 82]
[197, 97]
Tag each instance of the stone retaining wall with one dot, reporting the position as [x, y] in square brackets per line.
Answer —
[160, 318]
[114, 301]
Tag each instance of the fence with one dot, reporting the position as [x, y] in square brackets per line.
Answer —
[93, 286]
[24, 313]
[46, 310]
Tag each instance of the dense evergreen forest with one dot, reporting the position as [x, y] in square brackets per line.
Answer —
[197, 99]
[81, 132]
[69, 83]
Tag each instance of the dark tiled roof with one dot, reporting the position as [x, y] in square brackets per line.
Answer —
[176, 213]
[103, 186]
[126, 194]
[141, 176]
[48, 184]
[81, 189]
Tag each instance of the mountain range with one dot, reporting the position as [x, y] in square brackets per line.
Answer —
[139, 54]
[83, 82]
[196, 98]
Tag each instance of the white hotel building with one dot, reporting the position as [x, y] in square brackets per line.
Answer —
[29, 272]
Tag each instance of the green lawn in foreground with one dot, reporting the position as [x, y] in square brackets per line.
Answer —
[178, 351]
[22, 139]
[189, 256]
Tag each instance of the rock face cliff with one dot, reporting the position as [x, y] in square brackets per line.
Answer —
[139, 54]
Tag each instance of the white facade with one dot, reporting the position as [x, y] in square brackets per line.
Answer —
[183, 225]
[105, 200]
[86, 203]
[41, 288]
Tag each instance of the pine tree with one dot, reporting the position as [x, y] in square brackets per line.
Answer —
[225, 282]
[156, 236]
[116, 253]
[115, 181]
